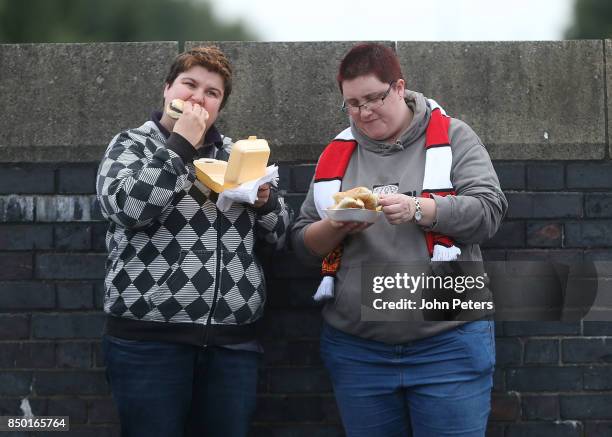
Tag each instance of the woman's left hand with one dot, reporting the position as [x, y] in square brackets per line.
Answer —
[398, 208]
[263, 194]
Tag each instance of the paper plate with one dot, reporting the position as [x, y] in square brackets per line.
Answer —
[353, 215]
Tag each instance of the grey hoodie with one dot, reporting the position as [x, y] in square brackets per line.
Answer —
[470, 217]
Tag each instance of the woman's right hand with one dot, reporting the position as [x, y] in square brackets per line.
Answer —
[350, 228]
[322, 236]
[191, 125]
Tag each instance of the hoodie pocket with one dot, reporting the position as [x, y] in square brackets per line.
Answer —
[241, 289]
[348, 294]
[190, 277]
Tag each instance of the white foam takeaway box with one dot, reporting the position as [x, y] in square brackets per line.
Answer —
[248, 161]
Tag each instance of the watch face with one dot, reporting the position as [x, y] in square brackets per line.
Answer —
[418, 216]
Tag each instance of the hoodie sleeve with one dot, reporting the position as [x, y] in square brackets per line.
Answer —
[475, 213]
[134, 187]
[308, 215]
[273, 220]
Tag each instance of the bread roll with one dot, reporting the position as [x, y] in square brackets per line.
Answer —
[365, 198]
[175, 108]
[349, 202]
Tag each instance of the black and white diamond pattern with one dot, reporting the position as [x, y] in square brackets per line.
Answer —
[167, 237]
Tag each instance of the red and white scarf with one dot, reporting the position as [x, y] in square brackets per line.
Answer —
[332, 166]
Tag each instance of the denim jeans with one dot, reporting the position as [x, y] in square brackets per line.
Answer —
[167, 389]
[433, 387]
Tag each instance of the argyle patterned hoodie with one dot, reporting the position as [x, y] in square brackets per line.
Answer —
[177, 267]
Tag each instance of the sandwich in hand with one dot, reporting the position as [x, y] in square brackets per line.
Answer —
[358, 197]
[175, 108]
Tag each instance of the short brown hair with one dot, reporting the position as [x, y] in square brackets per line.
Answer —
[370, 58]
[209, 57]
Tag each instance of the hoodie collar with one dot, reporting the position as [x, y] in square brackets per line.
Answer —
[421, 113]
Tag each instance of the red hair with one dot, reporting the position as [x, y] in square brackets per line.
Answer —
[370, 58]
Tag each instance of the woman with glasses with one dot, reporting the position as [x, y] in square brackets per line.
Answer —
[400, 373]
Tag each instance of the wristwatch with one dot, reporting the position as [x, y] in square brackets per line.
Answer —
[418, 213]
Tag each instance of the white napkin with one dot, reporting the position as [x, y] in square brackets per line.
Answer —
[247, 192]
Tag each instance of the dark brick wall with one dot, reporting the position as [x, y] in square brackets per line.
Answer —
[552, 379]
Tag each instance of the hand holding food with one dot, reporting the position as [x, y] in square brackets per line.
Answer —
[263, 194]
[190, 120]
[398, 208]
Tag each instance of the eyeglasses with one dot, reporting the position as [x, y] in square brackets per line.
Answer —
[371, 104]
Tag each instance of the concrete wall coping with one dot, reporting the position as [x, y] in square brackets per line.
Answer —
[529, 100]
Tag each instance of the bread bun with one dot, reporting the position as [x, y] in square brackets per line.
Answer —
[356, 196]
[353, 192]
[349, 202]
[370, 201]
[175, 108]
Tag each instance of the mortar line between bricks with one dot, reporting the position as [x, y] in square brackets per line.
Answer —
[563, 236]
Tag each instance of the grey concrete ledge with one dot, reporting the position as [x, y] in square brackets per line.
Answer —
[608, 55]
[78, 94]
[526, 100]
[546, 151]
[303, 153]
[285, 92]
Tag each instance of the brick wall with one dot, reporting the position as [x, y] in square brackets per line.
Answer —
[552, 379]
[51, 262]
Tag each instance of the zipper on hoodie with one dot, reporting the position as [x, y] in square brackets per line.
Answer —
[217, 283]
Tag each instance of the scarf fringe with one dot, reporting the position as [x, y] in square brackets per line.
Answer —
[325, 290]
[443, 253]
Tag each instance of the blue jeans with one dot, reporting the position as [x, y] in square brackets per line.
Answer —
[167, 389]
[434, 387]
